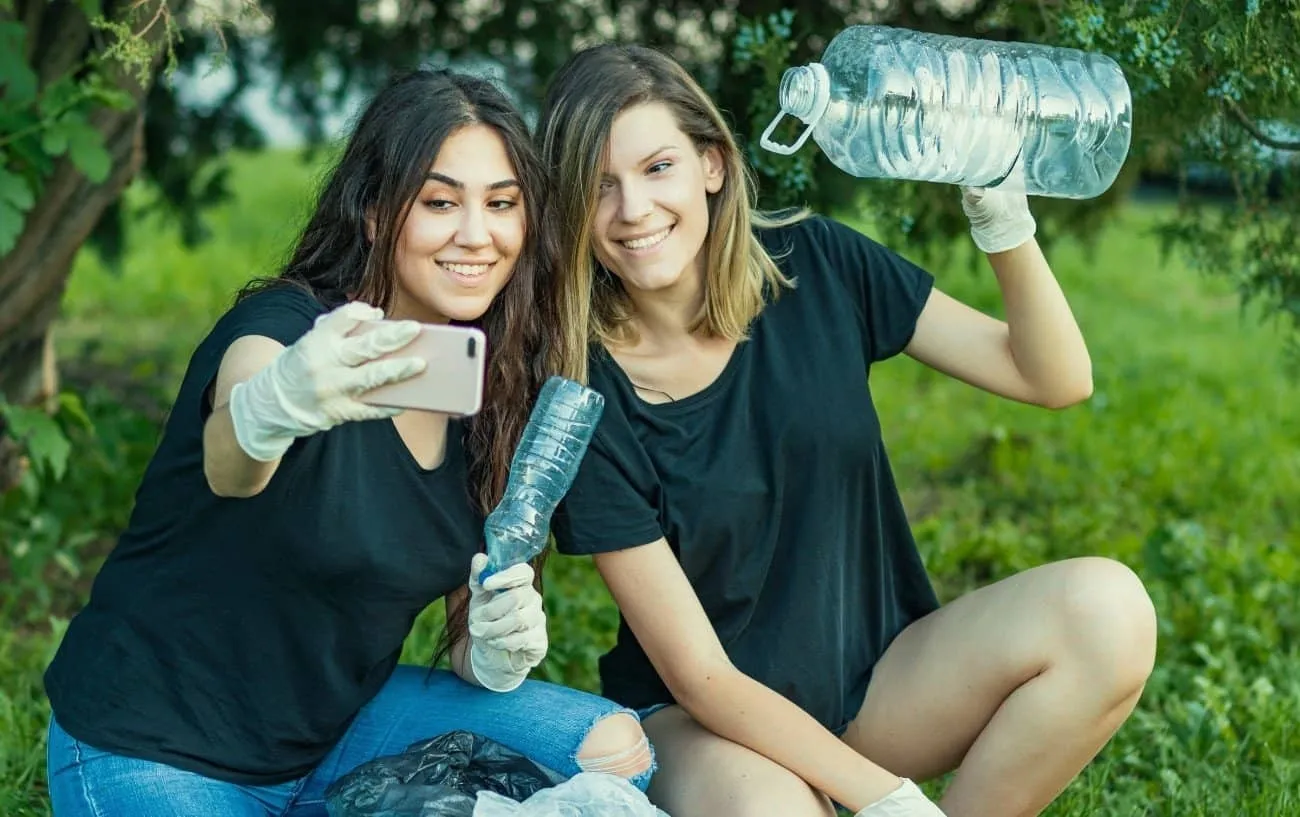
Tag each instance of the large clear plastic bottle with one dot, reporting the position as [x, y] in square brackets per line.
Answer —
[893, 103]
[542, 470]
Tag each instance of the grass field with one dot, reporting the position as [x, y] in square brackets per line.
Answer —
[1185, 464]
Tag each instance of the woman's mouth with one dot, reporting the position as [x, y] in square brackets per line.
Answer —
[646, 243]
[465, 273]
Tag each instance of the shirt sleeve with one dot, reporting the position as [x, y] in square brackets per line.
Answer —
[282, 312]
[610, 505]
[888, 290]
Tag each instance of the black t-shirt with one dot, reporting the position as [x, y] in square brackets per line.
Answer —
[238, 638]
[772, 485]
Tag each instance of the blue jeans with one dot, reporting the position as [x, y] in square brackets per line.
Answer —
[545, 722]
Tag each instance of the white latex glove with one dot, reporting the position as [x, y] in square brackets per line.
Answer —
[999, 219]
[905, 801]
[313, 385]
[507, 626]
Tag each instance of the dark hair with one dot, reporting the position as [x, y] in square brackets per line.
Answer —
[378, 176]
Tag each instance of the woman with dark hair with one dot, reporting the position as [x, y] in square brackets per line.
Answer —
[780, 635]
[239, 651]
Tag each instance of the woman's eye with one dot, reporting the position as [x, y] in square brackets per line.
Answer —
[503, 204]
[659, 167]
[439, 204]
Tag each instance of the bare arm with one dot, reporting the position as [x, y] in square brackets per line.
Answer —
[1037, 356]
[231, 472]
[664, 613]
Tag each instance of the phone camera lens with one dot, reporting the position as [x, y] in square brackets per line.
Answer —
[471, 347]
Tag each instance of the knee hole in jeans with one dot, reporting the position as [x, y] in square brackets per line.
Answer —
[616, 745]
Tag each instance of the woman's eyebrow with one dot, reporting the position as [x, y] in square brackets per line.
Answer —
[655, 153]
[459, 185]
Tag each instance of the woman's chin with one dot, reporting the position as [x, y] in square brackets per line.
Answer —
[654, 280]
[465, 309]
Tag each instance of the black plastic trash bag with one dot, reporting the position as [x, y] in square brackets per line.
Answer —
[440, 777]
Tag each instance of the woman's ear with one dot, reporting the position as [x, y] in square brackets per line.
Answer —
[715, 172]
[370, 225]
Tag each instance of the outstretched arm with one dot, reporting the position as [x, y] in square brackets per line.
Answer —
[1038, 354]
[267, 395]
[230, 471]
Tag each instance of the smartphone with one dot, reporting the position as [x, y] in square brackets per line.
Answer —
[452, 383]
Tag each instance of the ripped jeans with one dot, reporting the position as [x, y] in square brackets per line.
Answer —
[545, 722]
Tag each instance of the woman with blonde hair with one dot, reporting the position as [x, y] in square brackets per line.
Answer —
[779, 634]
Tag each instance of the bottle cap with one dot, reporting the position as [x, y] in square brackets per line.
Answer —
[805, 93]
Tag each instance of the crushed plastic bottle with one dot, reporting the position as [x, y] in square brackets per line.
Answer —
[898, 104]
[542, 470]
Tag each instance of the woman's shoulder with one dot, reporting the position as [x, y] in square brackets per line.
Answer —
[279, 309]
[805, 232]
[275, 295]
[807, 247]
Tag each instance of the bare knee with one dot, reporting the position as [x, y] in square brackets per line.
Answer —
[702, 774]
[1109, 623]
[771, 792]
[616, 745]
[779, 795]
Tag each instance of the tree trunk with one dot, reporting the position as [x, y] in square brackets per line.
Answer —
[34, 274]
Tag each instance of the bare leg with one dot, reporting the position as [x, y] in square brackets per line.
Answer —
[616, 745]
[704, 775]
[1018, 685]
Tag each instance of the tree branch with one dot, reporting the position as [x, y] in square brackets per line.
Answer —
[60, 44]
[1253, 129]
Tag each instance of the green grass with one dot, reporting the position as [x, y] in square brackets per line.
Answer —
[1184, 464]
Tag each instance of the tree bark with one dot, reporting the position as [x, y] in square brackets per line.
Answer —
[34, 274]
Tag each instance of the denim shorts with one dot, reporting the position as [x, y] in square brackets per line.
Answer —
[545, 722]
[646, 711]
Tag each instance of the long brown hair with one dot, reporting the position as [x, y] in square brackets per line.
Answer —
[380, 173]
[584, 98]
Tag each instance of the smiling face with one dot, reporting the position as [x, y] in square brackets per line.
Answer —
[652, 217]
[464, 232]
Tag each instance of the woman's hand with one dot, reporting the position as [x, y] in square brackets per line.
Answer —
[314, 384]
[905, 801]
[507, 626]
[999, 219]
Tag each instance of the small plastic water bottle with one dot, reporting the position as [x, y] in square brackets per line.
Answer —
[542, 470]
[893, 103]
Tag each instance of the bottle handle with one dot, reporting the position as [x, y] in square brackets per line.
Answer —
[776, 147]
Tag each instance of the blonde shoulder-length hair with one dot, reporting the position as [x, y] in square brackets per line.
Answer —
[583, 99]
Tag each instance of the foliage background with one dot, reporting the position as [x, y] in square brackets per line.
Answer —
[1185, 464]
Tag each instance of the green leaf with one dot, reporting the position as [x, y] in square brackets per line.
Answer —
[61, 95]
[11, 226]
[114, 98]
[18, 80]
[41, 436]
[70, 403]
[54, 140]
[86, 149]
[15, 200]
[91, 8]
[14, 190]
